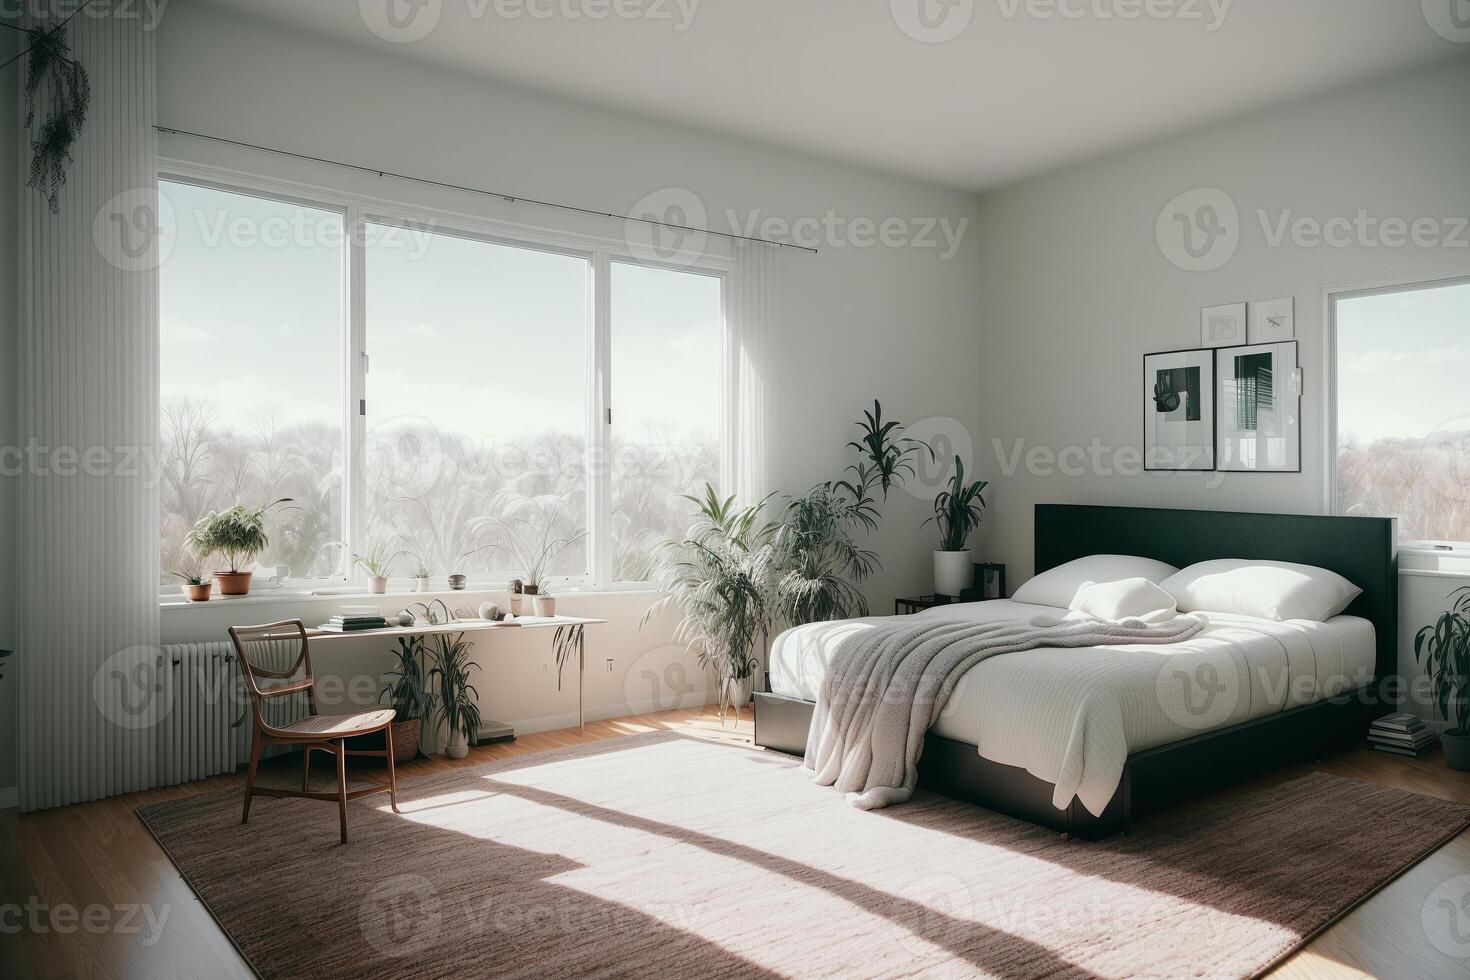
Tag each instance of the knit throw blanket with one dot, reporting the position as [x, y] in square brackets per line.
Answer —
[886, 685]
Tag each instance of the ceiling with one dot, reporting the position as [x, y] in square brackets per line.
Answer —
[967, 93]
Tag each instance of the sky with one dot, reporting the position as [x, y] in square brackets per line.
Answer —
[475, 337]
[1403, 360]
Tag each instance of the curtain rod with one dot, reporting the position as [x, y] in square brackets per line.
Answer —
[509, 198]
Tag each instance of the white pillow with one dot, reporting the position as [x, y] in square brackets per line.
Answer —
[1129, 598]
[1276, 590]
[1058, 586]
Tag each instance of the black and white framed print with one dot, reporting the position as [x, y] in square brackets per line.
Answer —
[1222, 326]
[1272, 321]
[1179, 410]
[1259, 398]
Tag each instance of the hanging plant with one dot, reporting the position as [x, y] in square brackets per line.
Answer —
[62, 85]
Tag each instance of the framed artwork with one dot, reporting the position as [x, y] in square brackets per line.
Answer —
[1273, 321]
[1222, 326]
[1259, 394]
[1179, 410]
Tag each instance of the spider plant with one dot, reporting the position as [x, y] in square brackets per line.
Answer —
[528, 526]
[718, 576]
[886, 454]
[378, 561]
[457, 698]
[958, 510]
[237, 534]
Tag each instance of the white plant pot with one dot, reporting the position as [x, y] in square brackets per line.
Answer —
[954, 572]
[517, 603]
[456, 747]
[378, 585]
[421, 584]
[545, 605]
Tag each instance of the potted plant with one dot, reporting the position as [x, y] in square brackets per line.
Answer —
[237, 535]
[957, 512]
[378, 563]
[196, 589]
[1444, 649]
[719, 578]
[411, 702]
[544, 603]
[531, 540]
[517, 590]
[457, 697]
[421, 578]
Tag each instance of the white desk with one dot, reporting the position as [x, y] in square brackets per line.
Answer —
[569, 630]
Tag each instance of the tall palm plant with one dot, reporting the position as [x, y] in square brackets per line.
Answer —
[718, 576]
[820, 564]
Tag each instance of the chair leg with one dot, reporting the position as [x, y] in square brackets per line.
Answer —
[250, 776]
[342, 784]
[392, 775]
[305, 767]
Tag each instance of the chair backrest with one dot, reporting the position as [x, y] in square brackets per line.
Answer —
[256, 670]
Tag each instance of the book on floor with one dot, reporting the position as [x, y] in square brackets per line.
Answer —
[1400, 722]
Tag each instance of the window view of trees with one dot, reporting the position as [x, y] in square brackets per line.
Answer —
[479, 387]
[1403, 415]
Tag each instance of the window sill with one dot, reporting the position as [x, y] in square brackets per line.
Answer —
[174, 603]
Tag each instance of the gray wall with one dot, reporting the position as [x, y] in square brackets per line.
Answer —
[1076, 286]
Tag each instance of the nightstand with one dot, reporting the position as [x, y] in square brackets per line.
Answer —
[990, 583]
[907, 607]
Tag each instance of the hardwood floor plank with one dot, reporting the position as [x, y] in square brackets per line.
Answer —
[100, 853]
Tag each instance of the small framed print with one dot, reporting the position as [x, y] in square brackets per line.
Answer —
[1259, 394]
[1222, 326]
[1273, 321]
[1179, 410]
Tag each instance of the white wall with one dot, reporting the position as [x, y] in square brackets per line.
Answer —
[1075, 286]
[9, 340]
[854, 323]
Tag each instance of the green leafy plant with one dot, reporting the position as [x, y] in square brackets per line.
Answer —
[886, 454]
[67, 96]
[378, 562]
[818, 563]
[237, 534]
[958, 510]
[457, 697]
[189, 578]
[1444, 649]
[406, 690]
[5, 654]
[719, 577]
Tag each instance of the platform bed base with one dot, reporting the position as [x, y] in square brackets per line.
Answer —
[1151, 780]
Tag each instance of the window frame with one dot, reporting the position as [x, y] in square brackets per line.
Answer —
[1357, 287]
[600, 252]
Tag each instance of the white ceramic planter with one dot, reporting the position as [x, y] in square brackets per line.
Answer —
[953, 572]
[456, 747]
[545, 605]
[517, 603]
[422, 584]
[378, 585]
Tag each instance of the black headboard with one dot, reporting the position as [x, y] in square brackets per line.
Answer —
[1362, 550]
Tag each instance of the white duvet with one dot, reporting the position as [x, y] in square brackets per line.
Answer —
[1072, 716]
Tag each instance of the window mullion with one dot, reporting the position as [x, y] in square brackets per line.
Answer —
[599, 470]
[354, 492]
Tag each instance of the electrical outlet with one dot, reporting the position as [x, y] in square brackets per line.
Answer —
[609, 664]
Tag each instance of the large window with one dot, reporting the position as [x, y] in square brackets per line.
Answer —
[484, 397]
[1403, 411]
[251, 328]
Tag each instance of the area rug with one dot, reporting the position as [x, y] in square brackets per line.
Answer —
[659, 855]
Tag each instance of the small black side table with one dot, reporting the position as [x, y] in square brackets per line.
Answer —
[907, 607]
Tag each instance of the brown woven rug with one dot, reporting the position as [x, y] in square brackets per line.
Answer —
[664, 856]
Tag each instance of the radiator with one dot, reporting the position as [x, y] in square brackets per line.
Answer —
[206, 727]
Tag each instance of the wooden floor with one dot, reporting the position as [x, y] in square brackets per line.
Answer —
[97, 858]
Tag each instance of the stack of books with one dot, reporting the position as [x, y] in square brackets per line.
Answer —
[350, 619]
[1401, 734]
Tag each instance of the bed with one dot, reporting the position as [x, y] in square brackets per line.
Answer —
[1084, 743]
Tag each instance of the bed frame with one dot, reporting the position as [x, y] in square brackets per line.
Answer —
[1361, 549]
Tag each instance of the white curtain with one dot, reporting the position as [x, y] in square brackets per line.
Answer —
[87, 652]
[750, 311]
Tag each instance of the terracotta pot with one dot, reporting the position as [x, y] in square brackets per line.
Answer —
[233, 583]
[200, 592]
[378, 584]
[545, 605]
[405, 740]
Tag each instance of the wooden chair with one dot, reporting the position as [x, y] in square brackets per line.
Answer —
[322, 733]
